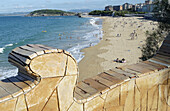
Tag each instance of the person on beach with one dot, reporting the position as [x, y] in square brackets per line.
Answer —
[90, 44]
[117, 60]
[123, 60]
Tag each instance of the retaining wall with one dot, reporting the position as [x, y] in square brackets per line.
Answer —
[47, 80]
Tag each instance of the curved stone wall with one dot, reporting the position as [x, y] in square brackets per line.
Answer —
[47, 80]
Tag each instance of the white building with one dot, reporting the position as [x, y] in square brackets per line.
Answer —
[127, 6]
[138, 7]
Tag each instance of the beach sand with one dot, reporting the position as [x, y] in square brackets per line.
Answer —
[123, 37]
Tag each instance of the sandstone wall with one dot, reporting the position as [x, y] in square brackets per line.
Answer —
[47, 80]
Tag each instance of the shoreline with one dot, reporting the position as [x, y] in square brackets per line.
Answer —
[100, 57]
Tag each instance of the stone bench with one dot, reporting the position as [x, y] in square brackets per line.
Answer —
[47, 80]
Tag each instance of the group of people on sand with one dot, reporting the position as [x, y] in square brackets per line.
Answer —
[120, 61]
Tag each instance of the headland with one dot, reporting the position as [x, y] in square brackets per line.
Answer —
[50, 12]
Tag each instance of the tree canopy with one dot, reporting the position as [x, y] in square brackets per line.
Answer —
[102, 13]
[162, 14]
[49, 11]
[116, 13]
[154, 39]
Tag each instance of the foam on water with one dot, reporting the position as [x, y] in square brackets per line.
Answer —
[3, 48]
[87, 30]
[5, 72]
[8, 45]
[92, 39]
[93, 22]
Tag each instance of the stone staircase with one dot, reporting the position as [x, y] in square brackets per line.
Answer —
[47, 80]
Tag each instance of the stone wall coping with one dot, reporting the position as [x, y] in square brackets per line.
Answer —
[93, 87]
[26, 79]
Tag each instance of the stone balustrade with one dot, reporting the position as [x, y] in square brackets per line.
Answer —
[47, 80]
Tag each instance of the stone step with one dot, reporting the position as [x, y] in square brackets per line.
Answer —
[163, 53]
[98, 86]
[111, 78]
[41, 46]
[130, 75]
[25, 53]
[82, 93]
[22, 85]
[165, 49]
[79, 98]
[87, 88]
[117, 75]
[104, 81]
[138, 68]
[163, 56]
[20, 58]
[160, 60]
[29, 78]
[144, 65]
[28, 81]
[157, 66]
[45, 48]
[16, 61]
[3, 93]
[33, 48]
[11, 88]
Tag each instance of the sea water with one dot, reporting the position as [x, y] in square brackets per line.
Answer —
[67, 32]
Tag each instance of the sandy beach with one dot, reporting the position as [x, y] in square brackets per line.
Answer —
[123, 37]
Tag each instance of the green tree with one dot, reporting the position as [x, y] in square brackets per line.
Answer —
[162, 13]
[102, 13]
[154, 39]
[49, 11]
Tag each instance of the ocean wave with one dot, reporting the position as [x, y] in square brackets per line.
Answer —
[93, 22]
[8, 45]
[92, 38]
[5, 73]
[75, 51]
[3, 48]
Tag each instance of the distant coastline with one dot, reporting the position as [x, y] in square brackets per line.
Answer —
[15, 14]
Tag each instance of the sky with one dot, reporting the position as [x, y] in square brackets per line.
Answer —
[9, 6]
